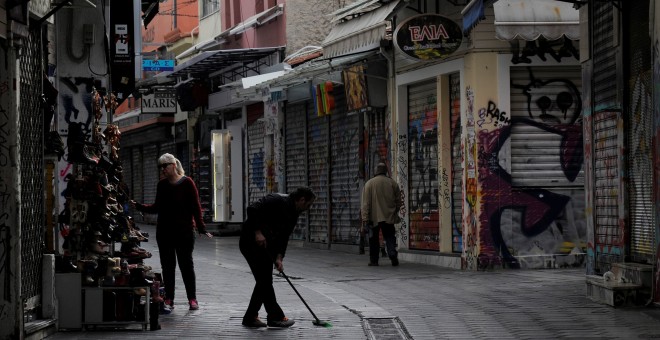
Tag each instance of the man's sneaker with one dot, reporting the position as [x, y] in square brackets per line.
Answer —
[193, 304]
[169, 303]
[373, 264]
[285, 322]
[395, 261]
[254, 323]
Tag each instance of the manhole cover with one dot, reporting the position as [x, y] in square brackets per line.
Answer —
[385, 329]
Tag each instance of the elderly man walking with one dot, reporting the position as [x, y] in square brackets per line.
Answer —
[381, 201]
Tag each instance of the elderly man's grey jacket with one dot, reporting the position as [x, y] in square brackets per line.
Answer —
[381, 200]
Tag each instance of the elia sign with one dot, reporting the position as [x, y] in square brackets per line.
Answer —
[160, 101]
[428, 37]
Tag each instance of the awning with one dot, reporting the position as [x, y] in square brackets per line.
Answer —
[159, 79]
[258, 19]
[207, 62]
[248, 82]
[530, 20]
[234, 95]
[201, 46]
[149, 10]
[361, 33]
[354, 10]
[255, 20]
[315, 68]
[472, 13]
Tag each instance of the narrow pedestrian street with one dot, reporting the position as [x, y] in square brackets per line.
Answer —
[413, 301]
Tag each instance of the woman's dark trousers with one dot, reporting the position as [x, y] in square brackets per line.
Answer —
[177, 247]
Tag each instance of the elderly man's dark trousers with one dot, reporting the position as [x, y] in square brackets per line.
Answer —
[261, 265]
[388, 236]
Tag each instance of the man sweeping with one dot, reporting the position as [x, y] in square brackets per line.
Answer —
[264, 238]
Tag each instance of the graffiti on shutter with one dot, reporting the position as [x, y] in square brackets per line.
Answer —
[317, 144]
[546, 130]
[296, 158]
[423, 165]
[609, 236]
[344, 174]
[607, 142]
[457, 163]
[640, 134]
[256, 134]
[544, 155]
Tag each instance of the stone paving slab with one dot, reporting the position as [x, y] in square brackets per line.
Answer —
[431, 302]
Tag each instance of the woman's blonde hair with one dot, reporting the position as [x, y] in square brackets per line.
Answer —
[169, 158]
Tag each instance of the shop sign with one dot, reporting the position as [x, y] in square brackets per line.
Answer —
[428, 37]
[158, 65]
[160, 101]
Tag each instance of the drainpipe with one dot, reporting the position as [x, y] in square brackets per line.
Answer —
[391, 100]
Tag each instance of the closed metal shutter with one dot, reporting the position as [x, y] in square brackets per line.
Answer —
[640, 134]
[126, 159]
[317, 148]
[168, 148]
[256, 153]
[607, 184]
[30, 138]
[378, 149]
[607, 144]
[546, 133]
[137, 189]
[604, 65]
[423, 165]
[183, 154]
[457, 163]
[151, 177]
[295, 158]
[344, 174]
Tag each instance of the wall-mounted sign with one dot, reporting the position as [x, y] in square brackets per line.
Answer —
[158, 65]
[428, 37]
[160, 101]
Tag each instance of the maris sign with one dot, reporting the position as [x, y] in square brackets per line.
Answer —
[428, 37]
[160, 101]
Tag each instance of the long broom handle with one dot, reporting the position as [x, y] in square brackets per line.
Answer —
[300, 296]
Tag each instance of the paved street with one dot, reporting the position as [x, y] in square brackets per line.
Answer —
[412, 301]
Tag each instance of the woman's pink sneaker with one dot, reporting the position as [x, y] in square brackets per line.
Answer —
[193, 304]
[169, 303]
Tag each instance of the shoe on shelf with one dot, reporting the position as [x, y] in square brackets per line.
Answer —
[254, 323]
[395, 261]
[283, 323]
[193, 304]
[373, 264]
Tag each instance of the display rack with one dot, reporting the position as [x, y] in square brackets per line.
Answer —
[112, 288]
[100, 308]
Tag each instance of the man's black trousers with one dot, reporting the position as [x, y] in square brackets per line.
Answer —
[261, 264]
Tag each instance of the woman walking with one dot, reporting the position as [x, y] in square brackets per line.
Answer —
[179, 214]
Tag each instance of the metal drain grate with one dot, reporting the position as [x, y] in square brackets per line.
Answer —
[385, 329]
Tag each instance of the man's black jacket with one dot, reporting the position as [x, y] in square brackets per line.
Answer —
[276, 216]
